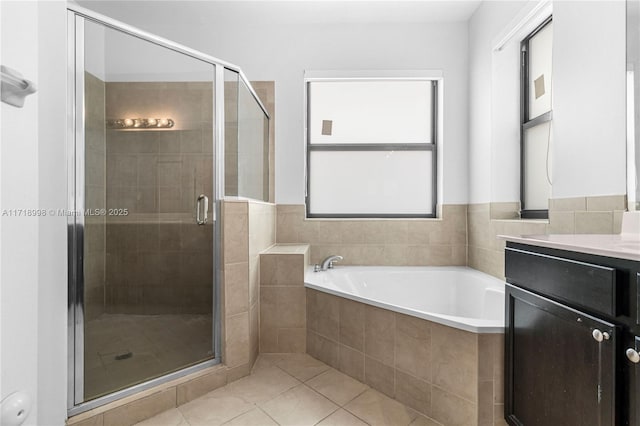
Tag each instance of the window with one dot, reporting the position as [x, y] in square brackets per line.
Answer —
[371, 147]
[536, 115]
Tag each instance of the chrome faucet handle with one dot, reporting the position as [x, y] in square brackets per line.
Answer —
[316, 268]
[337, 259]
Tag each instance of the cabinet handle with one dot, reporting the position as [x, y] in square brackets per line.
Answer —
[599, 336]
[633, 355]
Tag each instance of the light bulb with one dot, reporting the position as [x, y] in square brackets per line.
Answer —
[152, 121]
[128, 122]
[164, 122]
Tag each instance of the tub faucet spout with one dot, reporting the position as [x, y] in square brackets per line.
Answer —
[328, 262]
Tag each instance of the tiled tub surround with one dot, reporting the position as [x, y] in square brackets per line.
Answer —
[248, 229]
[450, 375]
[417, 242]
[262, 235]
[283, 319]
[581, 215]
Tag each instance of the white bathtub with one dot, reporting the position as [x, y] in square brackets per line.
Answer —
[455, 296]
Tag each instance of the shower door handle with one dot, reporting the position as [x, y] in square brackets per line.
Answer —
[202, 205]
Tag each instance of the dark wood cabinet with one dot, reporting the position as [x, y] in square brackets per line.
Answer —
[572, 338]
[560, 373]
[634, 378]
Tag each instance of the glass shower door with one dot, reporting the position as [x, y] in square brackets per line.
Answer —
[144, 238]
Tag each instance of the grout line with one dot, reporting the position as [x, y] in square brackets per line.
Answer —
[183, 417]
[241, 414]
[440, 388]
[267, 414]
[329, 368]
[354, 414]
[356, 397]
[328, 415]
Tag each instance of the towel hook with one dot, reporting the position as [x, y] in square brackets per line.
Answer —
[14, 88]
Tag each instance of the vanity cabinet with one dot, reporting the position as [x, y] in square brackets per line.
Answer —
[560, 375]
[572, 338]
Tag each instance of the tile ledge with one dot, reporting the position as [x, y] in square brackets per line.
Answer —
[237, 199]
[287, 248]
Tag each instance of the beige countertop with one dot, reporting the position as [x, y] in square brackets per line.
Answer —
[623, 246]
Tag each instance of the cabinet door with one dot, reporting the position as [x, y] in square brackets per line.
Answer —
[634, 384]
[560, 364]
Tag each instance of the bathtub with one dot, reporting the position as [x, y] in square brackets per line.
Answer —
[454, 296]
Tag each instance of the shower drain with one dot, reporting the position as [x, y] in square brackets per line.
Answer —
[125, 355]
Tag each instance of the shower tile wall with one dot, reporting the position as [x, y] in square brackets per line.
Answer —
[580, 215]
[429, 242]
[157, 257]
[283, 320]
[95, 161]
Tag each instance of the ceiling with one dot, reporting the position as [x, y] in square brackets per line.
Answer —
[259, 12]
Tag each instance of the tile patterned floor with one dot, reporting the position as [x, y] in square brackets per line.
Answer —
[158, 344]
[295, 390]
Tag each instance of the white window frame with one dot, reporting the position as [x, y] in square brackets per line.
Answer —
[433, 76]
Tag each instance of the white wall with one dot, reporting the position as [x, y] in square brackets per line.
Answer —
[589, 106]
[486, 24]
[19, 190]
[32, 176]
[282, 52]
[588, 157]
[505, 102]
[52, 194]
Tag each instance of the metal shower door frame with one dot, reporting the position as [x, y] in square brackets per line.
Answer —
[76, 18]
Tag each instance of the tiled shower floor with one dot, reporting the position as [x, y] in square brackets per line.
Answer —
[158, 344]
[296, 390]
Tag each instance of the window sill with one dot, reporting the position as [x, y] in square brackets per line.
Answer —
[519, 220]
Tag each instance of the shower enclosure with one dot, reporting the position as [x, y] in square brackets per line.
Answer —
[159, 134]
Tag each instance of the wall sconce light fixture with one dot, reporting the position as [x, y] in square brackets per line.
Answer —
[140, 123]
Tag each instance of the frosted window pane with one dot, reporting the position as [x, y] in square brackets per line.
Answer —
[537, 188]
[253, 147]
[370, 112]
[371, 182]
[540, 68]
